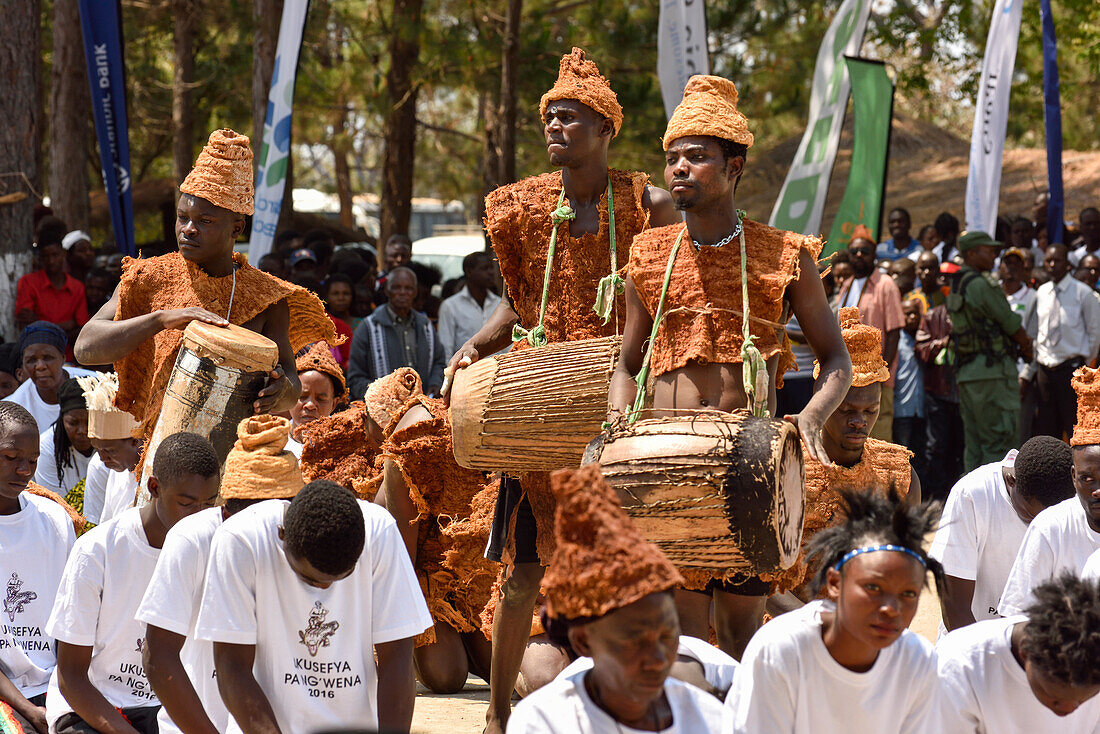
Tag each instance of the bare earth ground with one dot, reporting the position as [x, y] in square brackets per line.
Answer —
[464, 713]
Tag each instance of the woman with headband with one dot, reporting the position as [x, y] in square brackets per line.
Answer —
[848, 663]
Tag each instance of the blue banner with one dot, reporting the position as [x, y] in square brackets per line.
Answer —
[1052, 115]
[101, 21]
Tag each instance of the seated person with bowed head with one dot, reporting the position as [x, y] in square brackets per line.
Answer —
[99, 684]
[609, 597]
[848, 664]
[299, 599]
[984, 521]
[1036, 672]
[1062, 537]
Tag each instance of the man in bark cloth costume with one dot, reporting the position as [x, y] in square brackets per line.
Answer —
[140, 327]
[561, 242]
[432, 499]
[685, 296]
[857, 462]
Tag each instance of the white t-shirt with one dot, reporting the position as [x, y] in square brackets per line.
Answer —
[979, 536]
[718, 667]
[788, 682]
[563, 706]
[105, 577]
[95, 487]
[986, 690]
[1059, 538]
[34, 545]
[27, 396]
[119, 494]
[294, 447]
[46, 473]
[1092, 567]
[314, 647]
[172, 602]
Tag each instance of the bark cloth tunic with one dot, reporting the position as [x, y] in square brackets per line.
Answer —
[517, 218]
[706, 283]
[339, 449]
[883, 465]
[454, 575]
[170, 282]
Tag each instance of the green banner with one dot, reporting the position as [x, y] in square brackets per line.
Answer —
[872, 108]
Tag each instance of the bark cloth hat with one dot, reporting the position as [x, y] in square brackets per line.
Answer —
[258, 466]
[709, 107]
[105, 421]
[865, 347]
[386, 395]
[601, 562]
[223, 173]
[1086, 383]
[580, 79]
[319, 358]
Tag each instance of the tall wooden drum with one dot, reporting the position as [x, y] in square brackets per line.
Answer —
[532, 409]
[717, 491]
[213, 385]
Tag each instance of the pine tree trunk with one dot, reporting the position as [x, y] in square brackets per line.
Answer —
[400, 126]
[266, 16]
[508, 72]
[183, 118]
[70, 111]
[341, 148]
[20, 69]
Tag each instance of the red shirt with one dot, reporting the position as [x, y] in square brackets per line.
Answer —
[342, 352]
[36, 293]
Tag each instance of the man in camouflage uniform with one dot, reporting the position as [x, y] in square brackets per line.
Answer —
[985, 335]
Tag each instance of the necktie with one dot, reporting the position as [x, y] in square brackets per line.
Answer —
[1054, 320]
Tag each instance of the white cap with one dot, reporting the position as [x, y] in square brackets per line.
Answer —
[73, 237]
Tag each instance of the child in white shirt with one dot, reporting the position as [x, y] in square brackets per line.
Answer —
[848, 665]
[1034, 673]
[36, 536]
[299, 598]
[1060, 538]
[99, 683]
[181, 667]
[984, 521]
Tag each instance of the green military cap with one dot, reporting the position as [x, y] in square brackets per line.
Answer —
[970, 240]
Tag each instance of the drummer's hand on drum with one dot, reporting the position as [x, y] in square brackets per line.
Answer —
[178, 318]
[464, 357]
[270, 395]
[809, 428]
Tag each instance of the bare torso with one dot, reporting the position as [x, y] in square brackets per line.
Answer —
[698, 386]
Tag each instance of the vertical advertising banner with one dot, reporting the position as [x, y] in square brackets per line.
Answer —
[802, 198]
[987, 142]
[681, 48]
[872, 109]
[275, 152]
[101, 22]
[1052, 116]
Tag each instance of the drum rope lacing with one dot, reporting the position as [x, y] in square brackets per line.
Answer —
[754, 370]
[609, 286]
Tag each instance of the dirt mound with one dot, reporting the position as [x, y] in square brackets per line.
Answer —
[926, 174]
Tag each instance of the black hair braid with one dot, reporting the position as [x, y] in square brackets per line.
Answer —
[1062, 637]
[874, 519]
[62, 451]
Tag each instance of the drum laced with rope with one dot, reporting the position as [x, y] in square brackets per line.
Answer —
[536, 409]
[218, 372]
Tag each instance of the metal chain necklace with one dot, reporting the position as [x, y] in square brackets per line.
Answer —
[725, 240]
[232, 292]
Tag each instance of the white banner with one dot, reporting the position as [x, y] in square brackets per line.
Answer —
[987, 142]
[802, 199]
[681, 47]
[275, 153]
